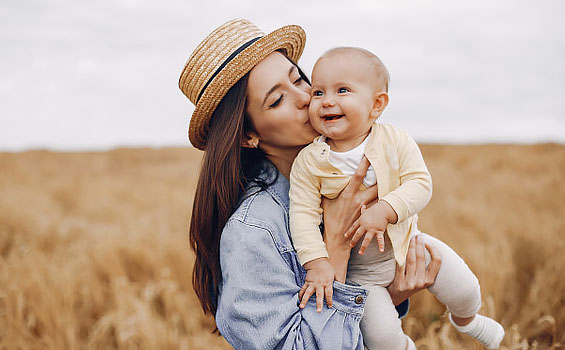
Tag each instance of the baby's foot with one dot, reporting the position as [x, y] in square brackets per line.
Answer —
[484, 329]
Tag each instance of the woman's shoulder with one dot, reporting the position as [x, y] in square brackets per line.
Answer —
[261, 211]
[257, 205]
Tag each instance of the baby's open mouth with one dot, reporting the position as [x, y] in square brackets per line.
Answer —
[332, 117]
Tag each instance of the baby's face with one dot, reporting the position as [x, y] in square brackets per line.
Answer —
[342, 98]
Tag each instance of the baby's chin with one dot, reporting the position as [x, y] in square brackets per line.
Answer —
[332, 135]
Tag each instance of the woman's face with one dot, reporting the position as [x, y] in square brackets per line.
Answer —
[277, 103]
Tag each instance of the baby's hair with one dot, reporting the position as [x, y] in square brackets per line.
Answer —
[380, 71]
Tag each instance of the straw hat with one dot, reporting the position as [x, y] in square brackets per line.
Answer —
[222, 58]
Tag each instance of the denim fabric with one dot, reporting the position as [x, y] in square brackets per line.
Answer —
[261, 277]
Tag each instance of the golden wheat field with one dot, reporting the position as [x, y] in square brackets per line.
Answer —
[94, 247]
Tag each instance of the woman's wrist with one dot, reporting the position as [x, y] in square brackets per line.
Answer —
[338, 256]
[397, 296]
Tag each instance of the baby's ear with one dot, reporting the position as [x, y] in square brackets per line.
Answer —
[380, 101]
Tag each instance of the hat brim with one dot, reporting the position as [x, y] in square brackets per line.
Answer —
[290, 38]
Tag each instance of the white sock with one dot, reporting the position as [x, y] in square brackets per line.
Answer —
[484, 329]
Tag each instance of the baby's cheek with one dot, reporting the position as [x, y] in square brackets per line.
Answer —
[314, 120]
[312, 108]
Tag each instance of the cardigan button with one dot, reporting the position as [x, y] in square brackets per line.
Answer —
[359, 299]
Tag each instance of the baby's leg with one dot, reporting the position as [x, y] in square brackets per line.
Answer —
[380, 324]
[457, 288]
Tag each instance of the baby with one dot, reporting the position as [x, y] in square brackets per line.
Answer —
[349, 93]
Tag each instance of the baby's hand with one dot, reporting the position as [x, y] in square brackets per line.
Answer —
[372, 222]
[319, 278]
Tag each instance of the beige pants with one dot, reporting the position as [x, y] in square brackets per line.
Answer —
[455, 286]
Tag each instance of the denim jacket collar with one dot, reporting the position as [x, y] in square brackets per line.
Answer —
[279, 185]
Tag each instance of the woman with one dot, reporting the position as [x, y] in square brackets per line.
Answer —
[251, 119]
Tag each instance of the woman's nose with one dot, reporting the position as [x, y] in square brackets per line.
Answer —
[303, 98]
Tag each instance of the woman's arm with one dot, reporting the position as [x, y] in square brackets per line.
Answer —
[339, 215]
[414, 275]
[258, 297]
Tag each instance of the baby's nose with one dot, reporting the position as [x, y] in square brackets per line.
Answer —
[327, 101]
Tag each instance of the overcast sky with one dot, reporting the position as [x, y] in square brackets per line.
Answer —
[77, 74]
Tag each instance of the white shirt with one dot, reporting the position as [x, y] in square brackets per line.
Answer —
[348, 162]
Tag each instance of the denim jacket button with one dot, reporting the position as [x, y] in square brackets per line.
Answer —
[359, 299]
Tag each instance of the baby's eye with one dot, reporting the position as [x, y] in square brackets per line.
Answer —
[342, 90]
[298, 80]
[317, 93]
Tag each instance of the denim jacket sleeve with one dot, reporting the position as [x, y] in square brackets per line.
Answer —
[258, 297]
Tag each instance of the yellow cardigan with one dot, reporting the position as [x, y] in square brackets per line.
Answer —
[402, 178]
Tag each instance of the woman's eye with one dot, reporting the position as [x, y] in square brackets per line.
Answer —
[317, 93]
[298, 80]
[277, 102]
[342, 90]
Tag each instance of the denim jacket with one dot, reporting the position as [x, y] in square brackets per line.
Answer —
[257, 306]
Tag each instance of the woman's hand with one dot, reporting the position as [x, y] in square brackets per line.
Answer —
[414, 276]
[339, 215]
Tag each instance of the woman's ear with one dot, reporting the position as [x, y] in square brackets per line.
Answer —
[380, 101]
[250, 140]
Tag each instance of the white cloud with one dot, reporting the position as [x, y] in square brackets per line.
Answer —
[100, 74]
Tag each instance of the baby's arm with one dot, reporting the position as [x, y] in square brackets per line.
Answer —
[409, 198]
[415, 190]
[305, 214]
[372, 223]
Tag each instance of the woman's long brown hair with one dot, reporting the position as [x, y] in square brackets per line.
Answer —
[227, 169]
